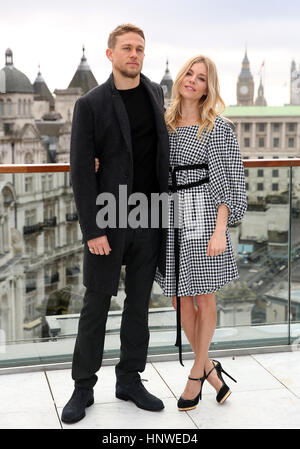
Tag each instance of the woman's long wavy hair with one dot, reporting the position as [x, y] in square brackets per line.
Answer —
[210, 105]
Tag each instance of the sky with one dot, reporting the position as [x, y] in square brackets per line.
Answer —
[51, 34]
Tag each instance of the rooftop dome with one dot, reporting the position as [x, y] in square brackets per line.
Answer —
[11, 79]
[83, 77]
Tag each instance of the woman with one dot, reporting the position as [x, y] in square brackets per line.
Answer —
[207, 161]
[207, 173]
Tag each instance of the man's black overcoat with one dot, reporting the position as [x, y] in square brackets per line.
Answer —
[100, 128]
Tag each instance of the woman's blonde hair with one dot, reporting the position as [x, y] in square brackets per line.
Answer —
[210, 105]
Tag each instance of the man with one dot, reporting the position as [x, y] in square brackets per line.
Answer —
[120, 122]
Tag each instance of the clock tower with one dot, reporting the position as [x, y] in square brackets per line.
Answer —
[245, 85]
[294, 84]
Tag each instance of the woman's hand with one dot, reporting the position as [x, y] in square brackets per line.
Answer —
[217, 243]
[97, 163]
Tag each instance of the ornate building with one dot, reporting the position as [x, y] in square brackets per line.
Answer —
[43, 99]
[40, 245]
[260, 99]
[83, 77]
[82, 81]
[166, 84]
[245, 84]
[294, 84]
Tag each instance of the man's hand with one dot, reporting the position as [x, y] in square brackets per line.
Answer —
[99, 246]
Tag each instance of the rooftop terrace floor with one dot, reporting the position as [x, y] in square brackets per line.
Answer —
[266, 396]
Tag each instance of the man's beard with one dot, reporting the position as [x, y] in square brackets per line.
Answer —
[128, 74]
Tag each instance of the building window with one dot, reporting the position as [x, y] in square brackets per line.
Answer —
[30, 217]
[275, 187]
[246, 171]
[291, 142]
[28, 158]
[260, 186]
[49, 211]
[275, 173]
[49, 241]
[1, 107]
[28, 183]
[261, 142]
[9, 107]
[30, 247]
[276, 142]
[261, 127]
[275, 127]
[275, 157]
[43, 183]
[25, 110]
[260, 172]
[247, 127]
[291, 127]
[74, 234]
[246, 142]
[50, 182]
[247, 186]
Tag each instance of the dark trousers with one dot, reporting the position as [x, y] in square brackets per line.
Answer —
[140, 258]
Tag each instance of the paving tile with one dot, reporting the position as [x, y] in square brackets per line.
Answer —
[284, 366]
[25, 392]
[260, 409]
[27, 402]
[30, 419]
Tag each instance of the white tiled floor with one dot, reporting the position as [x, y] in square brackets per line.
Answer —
[267, 395]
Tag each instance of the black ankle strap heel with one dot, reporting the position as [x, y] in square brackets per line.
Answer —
[190, 404]
[200, 379]
[224, 391]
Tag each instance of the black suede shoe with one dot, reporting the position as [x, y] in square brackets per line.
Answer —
[137, 393]
[74, 410]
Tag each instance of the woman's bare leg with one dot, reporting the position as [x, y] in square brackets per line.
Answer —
[188, 313]
[205, 326]
[192, 322]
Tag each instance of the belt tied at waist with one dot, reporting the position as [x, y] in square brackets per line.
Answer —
[174, 188]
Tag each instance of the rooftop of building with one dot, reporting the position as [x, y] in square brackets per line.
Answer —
[265, 111]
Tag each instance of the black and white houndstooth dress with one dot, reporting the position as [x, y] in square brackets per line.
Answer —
[198, 209]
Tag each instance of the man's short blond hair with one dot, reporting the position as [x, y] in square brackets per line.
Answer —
[122, 29]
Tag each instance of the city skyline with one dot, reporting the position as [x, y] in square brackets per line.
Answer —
[52, 36]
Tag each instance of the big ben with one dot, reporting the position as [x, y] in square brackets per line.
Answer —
[245, 84]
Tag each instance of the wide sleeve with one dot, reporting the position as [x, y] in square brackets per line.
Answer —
[226, 173]
[82, 170]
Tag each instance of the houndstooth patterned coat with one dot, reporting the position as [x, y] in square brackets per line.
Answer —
[198, 209]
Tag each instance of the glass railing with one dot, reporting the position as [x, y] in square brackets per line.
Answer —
[41, 290]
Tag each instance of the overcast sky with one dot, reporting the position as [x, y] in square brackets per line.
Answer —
[52, 34]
